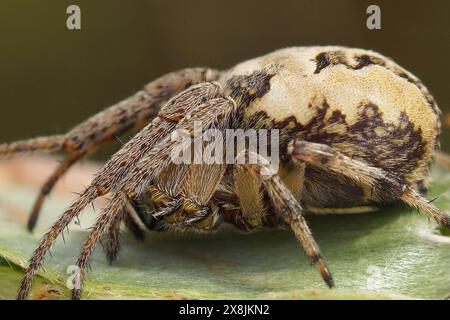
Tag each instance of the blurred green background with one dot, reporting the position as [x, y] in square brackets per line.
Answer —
[52, 78]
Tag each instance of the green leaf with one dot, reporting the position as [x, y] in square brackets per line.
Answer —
[394, 253]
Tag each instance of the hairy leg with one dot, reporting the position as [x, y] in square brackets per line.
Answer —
[102, 128]
[132, 225]
[171, 114]
[382, 183]
[123, 163]
[103, 221]
[216, 113]
[291, 211]
[248, 189]
[49, 144]
[48, 240]
[111, 243]
[213, 113]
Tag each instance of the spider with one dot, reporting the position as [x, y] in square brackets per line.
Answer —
[356, 132]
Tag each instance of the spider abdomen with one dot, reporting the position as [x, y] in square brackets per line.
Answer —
[356, 101]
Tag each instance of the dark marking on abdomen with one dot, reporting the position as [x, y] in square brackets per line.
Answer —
[247, 88]
[394, 147]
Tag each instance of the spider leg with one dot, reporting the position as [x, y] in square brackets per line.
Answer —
[248, 189]
[176, 109]
[251, 203]
[49, 238]
[186, 187]
[132, 225]
[116, 205]
[124, 162]
[291, 211]
[379, 180]
[173, 113]
[102, 128]
[111, 245]
[199, 181]
[141, 145]
[49, 144]
[213, 113]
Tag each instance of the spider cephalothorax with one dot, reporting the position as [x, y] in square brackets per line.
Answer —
[356, 131]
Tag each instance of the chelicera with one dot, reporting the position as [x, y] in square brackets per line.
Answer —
[356, 132]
